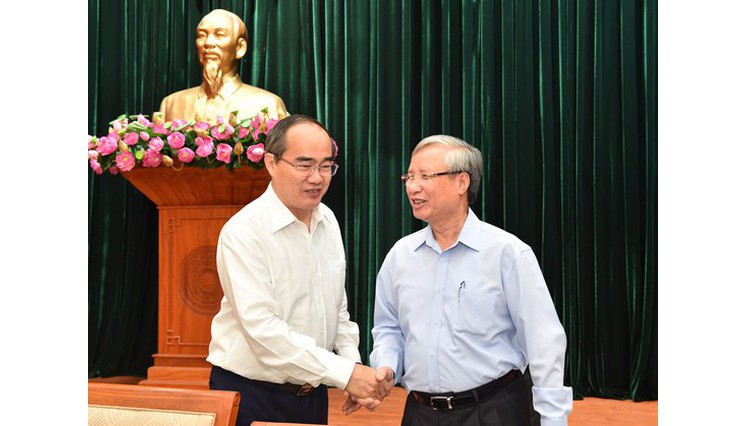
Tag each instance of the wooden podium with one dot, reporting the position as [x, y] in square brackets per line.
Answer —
[193, 205]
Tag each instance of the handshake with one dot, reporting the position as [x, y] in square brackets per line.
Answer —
[367, 388]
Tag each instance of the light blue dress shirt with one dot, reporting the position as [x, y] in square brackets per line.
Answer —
[452, 320]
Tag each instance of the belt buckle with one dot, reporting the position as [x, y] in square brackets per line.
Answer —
[447, 398]
[306, 389]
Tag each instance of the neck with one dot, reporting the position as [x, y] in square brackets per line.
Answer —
[304, 217]
[447, 231]
[230, 79]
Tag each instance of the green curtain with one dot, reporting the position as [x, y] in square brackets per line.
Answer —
[560, 96]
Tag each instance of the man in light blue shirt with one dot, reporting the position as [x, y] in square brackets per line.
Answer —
[462, 307]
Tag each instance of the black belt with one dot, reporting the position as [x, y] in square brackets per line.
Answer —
[298, 390]
[449, 401]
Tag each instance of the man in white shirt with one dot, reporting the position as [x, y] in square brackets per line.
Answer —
[283, 332]
[461, 307]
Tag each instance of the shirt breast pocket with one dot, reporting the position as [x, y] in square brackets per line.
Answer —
[475, 312]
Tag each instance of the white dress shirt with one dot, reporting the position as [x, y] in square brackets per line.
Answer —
[453, 320]
[284, 310]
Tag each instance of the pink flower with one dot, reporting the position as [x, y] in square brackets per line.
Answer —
[152, 158]
[143, 121]
[270, 124]
[177, 123]
[114, 136]
[117, 126]
[144, 136]
[131, 138]
[95, 166]
[92, 141]
[255, 152]
[160, 129]
[199, 141]
[176, 140]
[156, 144]
[223, 152]
[125, 161]
[113, 170]
[226, 132]
[186, 155]
[201, 128]
[205, 148]
[256, 122]
[243, 132]
[106, 145]
[92, 154]
[220, 120]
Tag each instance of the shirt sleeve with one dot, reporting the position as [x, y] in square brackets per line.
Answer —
[541, 336]
[389, 346]
[245, 280]
[347, 335]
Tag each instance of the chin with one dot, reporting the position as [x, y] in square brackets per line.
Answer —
[420, 215]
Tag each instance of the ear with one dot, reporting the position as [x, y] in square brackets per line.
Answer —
[270, 163]
[241, 48]
[463, 183]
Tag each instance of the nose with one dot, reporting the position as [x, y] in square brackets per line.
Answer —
[210, 40]
[411, 183]
[315, 176]
[413, 186]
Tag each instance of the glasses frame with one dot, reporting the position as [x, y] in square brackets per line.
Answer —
[425, 177]
[312, 170]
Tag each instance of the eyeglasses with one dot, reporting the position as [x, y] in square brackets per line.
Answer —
[325, 169]
[424, 177]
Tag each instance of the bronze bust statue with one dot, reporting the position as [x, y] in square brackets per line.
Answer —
[221, 41]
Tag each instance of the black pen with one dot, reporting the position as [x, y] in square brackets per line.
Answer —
[459, 290]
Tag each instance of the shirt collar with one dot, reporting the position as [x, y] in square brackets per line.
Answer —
[281, 216]
[229, 86]
[469, 234]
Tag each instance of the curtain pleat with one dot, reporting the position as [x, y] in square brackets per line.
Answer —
[560, 96]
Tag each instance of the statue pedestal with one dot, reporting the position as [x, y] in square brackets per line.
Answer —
[193, 205]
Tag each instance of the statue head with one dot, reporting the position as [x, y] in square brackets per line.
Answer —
[221, 41]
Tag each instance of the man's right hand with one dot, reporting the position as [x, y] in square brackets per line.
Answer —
[364, 384]
[375, 391]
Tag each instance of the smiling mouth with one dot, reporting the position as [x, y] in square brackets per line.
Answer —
[417, 202]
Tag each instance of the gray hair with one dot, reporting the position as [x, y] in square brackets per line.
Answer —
[464, 158]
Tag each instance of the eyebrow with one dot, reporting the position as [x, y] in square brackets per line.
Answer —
[214, 29]
[302, 158]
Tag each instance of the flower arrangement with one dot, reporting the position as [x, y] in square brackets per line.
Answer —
[176, 143]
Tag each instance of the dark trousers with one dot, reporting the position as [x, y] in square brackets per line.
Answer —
[262, 402]
[512, 406]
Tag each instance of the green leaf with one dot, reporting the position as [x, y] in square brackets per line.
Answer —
[121, 117]
[136, 127]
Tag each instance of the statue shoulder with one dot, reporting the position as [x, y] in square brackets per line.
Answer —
[263, 97]
[258, 93]
[181, 94]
